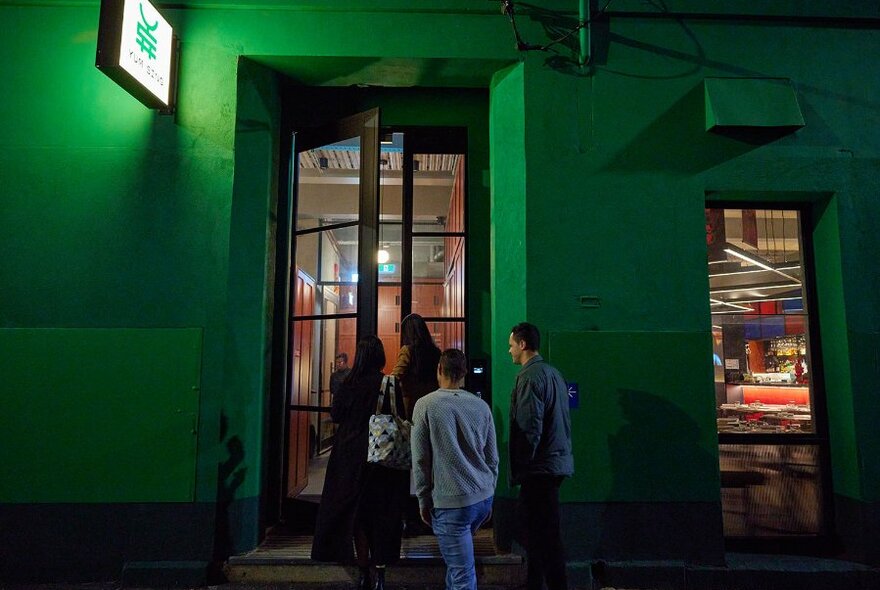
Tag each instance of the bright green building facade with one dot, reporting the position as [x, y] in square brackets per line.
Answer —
[133, 240]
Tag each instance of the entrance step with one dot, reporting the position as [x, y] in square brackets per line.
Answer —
[286, 559]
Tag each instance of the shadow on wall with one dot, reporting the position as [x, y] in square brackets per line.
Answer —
[503, 520]
[653, 456]
[656, 449]
[677, 141]
[230, 476]
[502, 434]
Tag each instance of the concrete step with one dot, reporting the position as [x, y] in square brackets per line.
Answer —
[403, 574]
[286, 559]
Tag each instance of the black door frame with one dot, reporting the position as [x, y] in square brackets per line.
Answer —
[366, 126]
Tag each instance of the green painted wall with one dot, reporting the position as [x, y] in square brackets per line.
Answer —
[248, 344]
[640, 430]
[114, 217]
[117, 217]
[859, 217]
[507, 231]
[835, 349]
[618, 165]
[99, 415]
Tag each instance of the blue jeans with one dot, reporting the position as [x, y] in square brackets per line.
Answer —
[454, 529]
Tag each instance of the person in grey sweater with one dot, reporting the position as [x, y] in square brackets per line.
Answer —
[455, 467]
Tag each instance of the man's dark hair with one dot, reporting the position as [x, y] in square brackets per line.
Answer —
[453, 364]
[528, 334]
[342, 356]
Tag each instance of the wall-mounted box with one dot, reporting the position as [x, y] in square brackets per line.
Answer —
[737, 104]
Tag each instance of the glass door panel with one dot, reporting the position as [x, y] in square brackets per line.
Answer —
[438, 259]
[390, 255]
[334, 194]
[329, 258]
[328, 183]
[448, 334]
[759, 322]
[438, 270]
[438, 193]
[389, 323]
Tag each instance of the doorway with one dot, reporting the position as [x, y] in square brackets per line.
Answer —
[377, 231]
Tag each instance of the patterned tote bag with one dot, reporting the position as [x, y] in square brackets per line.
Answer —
[389, 433]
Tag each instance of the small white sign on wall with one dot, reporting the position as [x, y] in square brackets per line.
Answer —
[146, 47]
[137, 48]
[731, 364]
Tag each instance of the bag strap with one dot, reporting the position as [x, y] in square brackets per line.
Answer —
[381, 395]
[392, 382]
[389, 384]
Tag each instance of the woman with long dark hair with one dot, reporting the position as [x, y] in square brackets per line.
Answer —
[416, 368]
[416, 365]
[361, 501]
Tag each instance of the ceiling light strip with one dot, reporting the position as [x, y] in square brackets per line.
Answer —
[768, 299]
[745, 272]
[754, 288]
[733, 305]
[757, 262]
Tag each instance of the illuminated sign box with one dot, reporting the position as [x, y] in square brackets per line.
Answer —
[138, 50]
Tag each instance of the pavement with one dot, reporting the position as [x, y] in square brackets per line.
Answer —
[741, 572]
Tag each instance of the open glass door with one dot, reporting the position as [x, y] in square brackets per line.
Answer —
[332, 284]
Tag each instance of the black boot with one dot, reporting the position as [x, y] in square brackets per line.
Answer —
[366, 581]
[380, 578]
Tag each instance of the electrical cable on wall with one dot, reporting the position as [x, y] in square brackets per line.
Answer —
[508, 8]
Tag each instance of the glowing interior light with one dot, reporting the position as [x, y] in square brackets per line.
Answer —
[756, 262]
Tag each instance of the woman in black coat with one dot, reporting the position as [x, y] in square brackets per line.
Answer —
[361, 501]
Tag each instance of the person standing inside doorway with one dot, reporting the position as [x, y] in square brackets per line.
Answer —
[455, 467]
[340, 370]
[540, 455]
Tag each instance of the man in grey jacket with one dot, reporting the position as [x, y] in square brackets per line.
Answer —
[455, 467]
[540, 455]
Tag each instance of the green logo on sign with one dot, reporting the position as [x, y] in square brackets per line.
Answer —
[145, 37]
